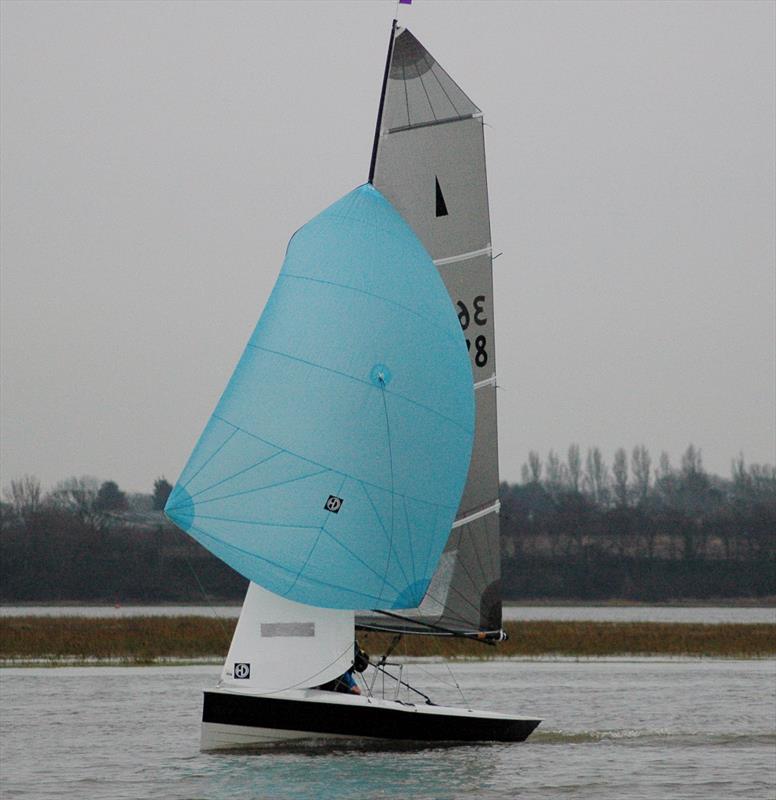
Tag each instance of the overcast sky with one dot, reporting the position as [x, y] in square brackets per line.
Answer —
[156, 157]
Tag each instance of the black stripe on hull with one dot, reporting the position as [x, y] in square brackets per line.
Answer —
[360, 720]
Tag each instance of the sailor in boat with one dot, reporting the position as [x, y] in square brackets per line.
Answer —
[346, 682]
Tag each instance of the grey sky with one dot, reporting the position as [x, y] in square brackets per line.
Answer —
[157, 157]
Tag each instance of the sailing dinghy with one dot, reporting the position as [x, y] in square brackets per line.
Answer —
[350, 469]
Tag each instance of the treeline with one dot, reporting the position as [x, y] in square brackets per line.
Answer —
[577, 528]
[90, 541]
[574, 528]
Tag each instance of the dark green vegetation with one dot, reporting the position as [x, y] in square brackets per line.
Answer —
[584, 531]
[146, 639]
[573, 529]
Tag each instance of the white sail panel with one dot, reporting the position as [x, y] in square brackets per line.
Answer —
[279, 644]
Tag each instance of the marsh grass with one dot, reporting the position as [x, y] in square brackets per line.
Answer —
[147, 640]
[139, 639]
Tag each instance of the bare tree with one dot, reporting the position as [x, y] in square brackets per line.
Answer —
[692, 463]
[640, 469]
[620, 473]
[78, 496]
[557, 475]
[596, 477]
[532, 471]
[24, 496]
[574, 466]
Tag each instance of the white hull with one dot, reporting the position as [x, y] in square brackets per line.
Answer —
[217, 736]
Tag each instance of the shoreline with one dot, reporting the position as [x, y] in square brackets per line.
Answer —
[151, 639]
[768, 601]
[218, 661]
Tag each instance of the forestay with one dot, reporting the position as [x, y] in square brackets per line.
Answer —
[429, 161]
[334, 463]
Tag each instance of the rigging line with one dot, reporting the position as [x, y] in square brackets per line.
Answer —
[261, 488]
[315, 543]
[385, 532]
[381, 379]
[466, 599]
[429, 320]
[213, 454]
[361, 561]
[383, 658]
[457, 686]
[462, 562]
[429, 548]
[260, 522]
[406, 93]
[325, 467]
[452, 587]
[425, 91]
[204, 534]
[475, 543]
[476, 593]
[227, 638]
[235, 475]
[443, 605]
[431, 625]
[435, 676]
[400, 682]
[431, 70]
[409, 538]
[448, 612]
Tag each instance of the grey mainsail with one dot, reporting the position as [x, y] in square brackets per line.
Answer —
[429, 161]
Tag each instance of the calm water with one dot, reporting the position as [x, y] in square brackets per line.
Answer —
[511, 613]
[613, 728]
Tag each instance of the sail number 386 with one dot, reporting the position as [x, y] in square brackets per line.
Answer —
[476, 316]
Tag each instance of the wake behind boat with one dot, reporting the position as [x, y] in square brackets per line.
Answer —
[352, 461]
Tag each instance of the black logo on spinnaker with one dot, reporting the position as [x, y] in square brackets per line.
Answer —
[242, 670]
[333, 504]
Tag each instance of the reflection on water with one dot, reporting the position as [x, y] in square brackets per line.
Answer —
[349, 774]
[614, 728]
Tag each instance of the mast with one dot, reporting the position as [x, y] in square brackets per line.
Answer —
[382, 102]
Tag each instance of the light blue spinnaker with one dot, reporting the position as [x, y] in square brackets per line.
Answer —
[334, 463]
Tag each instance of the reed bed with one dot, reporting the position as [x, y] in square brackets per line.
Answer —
[150, 639]
[590, 639]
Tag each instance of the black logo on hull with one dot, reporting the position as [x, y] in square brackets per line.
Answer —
[242, 671]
